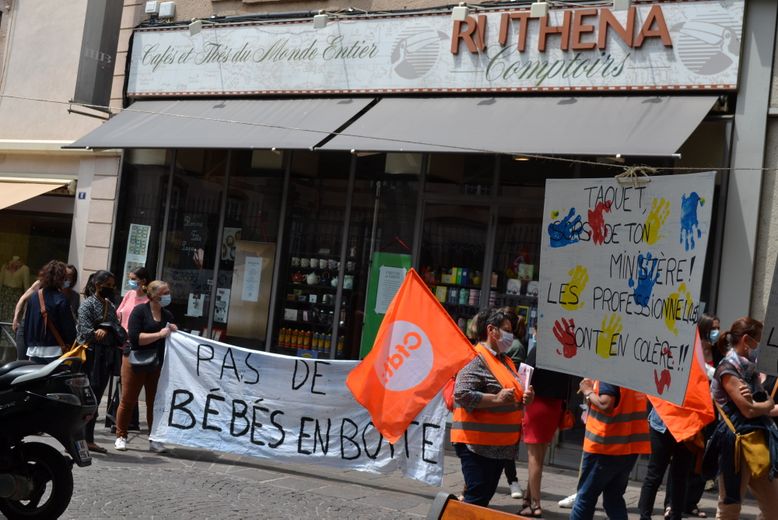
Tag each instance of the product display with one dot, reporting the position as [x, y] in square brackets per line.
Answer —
[308, 311]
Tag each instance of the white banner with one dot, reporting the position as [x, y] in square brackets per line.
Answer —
[225, 398]
[687, 45]
[620, 276]
[768, 348]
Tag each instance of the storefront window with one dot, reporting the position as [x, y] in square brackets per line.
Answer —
[248, 246]
[142, 198]
[191, 248]
[453, 255]
[316, 209]
[460, 174]
[381, 237]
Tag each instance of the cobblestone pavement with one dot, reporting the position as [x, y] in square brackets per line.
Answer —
[189, 483]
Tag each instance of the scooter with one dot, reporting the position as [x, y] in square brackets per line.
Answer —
[36, 479]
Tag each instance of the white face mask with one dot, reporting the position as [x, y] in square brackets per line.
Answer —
[505, 341]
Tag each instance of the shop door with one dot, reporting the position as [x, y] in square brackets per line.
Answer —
[453, 255]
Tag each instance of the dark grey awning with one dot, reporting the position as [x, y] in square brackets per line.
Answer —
[634, 125]
[227, 123]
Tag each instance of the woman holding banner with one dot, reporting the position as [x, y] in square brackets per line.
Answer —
[746, 439]
[489, 401]
[150, 323]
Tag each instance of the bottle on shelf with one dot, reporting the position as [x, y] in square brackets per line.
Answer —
[341, 346]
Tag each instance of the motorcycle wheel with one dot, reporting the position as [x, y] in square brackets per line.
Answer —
[52, 475]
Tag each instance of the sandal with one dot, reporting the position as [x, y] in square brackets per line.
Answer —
[696, 513]
[531, 511]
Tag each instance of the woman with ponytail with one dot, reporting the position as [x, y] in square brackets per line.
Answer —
[150, 323]
[137, 281]
[99, 327]
[745, 408]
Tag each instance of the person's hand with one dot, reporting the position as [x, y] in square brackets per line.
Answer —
[15, 324]
[745, 392]
[164, 332]
[506, 395]
[172, 327]
[585, 386]
[529, 396]
[100, 334]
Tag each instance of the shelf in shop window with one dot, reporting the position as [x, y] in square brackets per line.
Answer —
[458, 285]
[318, 287]
[530, 297]
[462, 305]
[307, 305]
[311, 324]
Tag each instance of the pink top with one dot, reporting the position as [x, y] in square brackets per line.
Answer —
[130, 300]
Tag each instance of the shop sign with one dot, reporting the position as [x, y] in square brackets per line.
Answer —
[229, 399]
[693, 45]
[621, 268]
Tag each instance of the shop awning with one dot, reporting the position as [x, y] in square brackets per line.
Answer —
[14, 190]
[225, 123]
[627, 125]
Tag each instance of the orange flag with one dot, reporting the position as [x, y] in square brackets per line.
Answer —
[697, 411]
[417, 349]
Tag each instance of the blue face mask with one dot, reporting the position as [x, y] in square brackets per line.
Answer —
[133, 284]
[66, 284]
[714, 335]
[165, 300]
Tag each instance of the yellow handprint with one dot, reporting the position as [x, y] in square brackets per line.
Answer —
[610, 329]
[660, 210]
[673, 304]
[571, 294]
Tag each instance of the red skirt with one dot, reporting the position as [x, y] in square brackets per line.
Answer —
[541, 419]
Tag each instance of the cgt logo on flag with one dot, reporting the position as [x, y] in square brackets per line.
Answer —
[408, 354]
[418, 348]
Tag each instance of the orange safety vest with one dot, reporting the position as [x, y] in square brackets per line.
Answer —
[497, 426]
[623, 431]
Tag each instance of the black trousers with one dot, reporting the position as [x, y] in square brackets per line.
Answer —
[98, 366]
[510, 471]
[665, 451]
[481, 474]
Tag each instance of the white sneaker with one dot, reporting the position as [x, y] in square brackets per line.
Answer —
[567, 503]
[157, 447]
[120, 444]
[515, 490]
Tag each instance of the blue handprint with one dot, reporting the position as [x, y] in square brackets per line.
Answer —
[689, 222]
[566, 231]
[647, 277]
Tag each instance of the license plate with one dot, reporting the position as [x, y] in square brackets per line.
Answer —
[83, 451]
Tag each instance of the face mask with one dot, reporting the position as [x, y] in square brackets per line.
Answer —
[752, 355]
[714, 335]
[133, 284]
[107, 292]
[505, 341]
[66, 284]
[165, 300]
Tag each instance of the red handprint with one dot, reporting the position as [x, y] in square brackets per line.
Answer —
[565, 334]
[597, 221]
[662, 382]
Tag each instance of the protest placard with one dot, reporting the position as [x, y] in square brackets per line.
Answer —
[620, 274]
[224, 398]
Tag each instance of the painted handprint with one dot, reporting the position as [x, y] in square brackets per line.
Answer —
[662, 382]
[660, 210]
[564, 331]
[597, 221]
[566, 231]
[570, 298]
[609, 328]
[690, 225]
[647, 277]
[673, 303]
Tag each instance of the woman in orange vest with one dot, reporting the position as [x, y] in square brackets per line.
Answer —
[488, 403]
[616, 433]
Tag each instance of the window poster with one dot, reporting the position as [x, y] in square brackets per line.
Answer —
[137, 252]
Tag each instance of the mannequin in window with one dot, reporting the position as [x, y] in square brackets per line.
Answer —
[14, 280]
